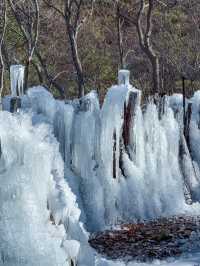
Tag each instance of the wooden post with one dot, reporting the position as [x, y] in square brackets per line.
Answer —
[15, 104]
[162, 104]
[129, 113]
[114, 154]
[187, 125]
[184, 153]
[184, 111]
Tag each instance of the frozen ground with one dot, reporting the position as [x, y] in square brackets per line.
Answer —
[190, 260]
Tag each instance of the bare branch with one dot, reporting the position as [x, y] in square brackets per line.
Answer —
[27, 17]
[18, 19]
[51, 81]
[149, 24]
[36, 34]
[50, 5]
[144, 40]
[3, 21]
[139, 25]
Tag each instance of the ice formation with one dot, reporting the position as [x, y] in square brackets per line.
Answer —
[118, 165]
[39, 213]
[123, 77]
[76, 164]
[27, 162]
[17, 80]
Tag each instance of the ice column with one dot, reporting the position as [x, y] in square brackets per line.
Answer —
[17, 80]
[123, 77]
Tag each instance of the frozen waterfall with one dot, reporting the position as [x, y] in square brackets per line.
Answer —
[68, 164]
[122, 162]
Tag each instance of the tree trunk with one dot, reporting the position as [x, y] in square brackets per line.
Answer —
[144, 41]
[26, 74]
[184, 107]
[76, 61]
[156, 74]
[114, 155]
[48, 77]
[2, 35]
[119, 38]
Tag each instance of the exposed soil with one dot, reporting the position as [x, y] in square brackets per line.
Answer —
[157, 239]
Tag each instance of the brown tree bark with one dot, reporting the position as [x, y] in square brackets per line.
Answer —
[76, 59]
[144, 35]
[119, 36]
[74, 20]
[2, 34]
[145, 43]
[48, 77]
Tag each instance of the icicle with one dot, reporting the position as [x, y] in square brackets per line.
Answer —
[17, 80]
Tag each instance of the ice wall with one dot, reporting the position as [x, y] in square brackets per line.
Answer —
[122, 163]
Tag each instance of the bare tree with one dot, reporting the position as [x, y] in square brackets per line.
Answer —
[75, 14]
[119, 21]
[3, 18]
[144, 35]
[49, 78]
[145, 42]
[27, 16]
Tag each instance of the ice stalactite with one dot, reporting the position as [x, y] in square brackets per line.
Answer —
[17, 80]
[13, 102]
